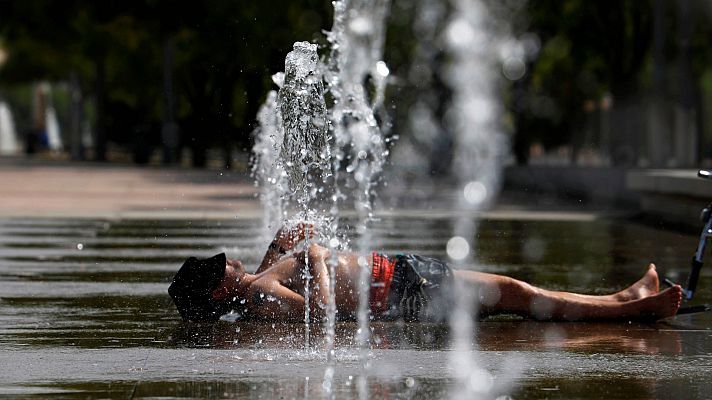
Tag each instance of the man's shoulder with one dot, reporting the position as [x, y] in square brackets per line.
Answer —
[286, 266]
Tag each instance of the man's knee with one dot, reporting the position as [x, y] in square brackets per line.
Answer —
[499, 293]
[509, 294]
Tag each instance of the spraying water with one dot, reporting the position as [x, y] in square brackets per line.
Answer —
[356, 50]
[292, 156]
[342, 146]
[266, 169]
[477, 41]
[356, 39]
[305, 154]
[291, 153]
[318, 158]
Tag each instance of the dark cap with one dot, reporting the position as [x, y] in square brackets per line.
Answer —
[193, 286]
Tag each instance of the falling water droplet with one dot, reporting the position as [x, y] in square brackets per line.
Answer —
[457, 248]
[475, 192]
[481, 381]
[514, 68]
[382, 69]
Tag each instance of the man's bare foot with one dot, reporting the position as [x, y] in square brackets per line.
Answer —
[646, 286]
[660, 305]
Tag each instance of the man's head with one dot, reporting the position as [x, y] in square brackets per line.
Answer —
[193, 286]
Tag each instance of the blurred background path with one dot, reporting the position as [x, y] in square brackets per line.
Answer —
[37, 189]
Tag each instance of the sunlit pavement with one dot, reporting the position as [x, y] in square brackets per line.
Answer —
[66, 190]
[84, 190]
[84, 310]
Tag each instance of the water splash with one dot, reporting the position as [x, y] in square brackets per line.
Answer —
[305, 155]
[348, 134]
[292, 154]
[317, 159]
[476, 39]
[355, 61]
[266, 169]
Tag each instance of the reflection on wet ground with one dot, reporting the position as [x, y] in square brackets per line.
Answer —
[84, 313]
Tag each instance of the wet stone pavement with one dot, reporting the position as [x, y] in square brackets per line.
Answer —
[84, 313]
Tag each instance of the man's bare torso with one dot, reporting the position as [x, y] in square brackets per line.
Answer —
[290, 272]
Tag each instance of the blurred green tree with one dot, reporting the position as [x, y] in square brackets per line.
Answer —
[144, 64]
[588, 50]
[222, 55]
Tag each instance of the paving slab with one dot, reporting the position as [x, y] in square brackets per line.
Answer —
[95, 320]
[674, 195]
[109, 191]
[79, 190]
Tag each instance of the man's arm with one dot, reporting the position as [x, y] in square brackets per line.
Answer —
[271, 299]
[320, 281]
[284, 241]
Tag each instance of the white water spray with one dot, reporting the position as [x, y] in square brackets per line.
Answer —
[305, 154]
[476, 39]
[356, 51]
[266, 169]
[321, 158]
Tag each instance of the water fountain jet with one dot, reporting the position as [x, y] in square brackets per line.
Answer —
[476, 41]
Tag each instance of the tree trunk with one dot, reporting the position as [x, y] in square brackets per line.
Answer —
[659, 138]
[169, 131]
[685, 119]
[99, 103]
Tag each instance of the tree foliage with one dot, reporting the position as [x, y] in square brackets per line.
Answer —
[225, 51]
[224, 54]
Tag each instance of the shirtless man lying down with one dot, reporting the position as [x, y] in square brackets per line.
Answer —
[405, 286]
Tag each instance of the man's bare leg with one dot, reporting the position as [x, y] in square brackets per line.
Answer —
[501, 294]
[647, 285]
